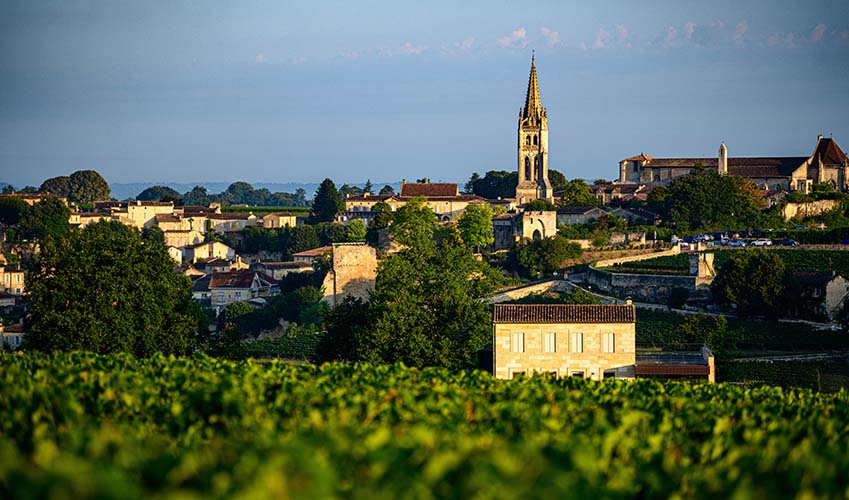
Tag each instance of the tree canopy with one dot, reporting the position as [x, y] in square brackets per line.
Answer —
[547, 255]
[494, 184]
[326, 202]
[752, 281]
[576, 193]
[539, 206]
[82, 186]
[105, 289]
[47, 218]
[414, 224]
[475, 225]
[157, 193]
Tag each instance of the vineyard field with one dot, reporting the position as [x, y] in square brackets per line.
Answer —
[794, 260]
[79, 425]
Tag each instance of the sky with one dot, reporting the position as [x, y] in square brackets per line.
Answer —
[282, 91]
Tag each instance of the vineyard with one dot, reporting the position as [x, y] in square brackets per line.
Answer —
[82, 426]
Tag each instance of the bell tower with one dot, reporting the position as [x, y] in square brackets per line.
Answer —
[533, 146]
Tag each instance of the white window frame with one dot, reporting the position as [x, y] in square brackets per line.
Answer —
[577, 342]
[549, 342]
[609, 342]
[518, 342]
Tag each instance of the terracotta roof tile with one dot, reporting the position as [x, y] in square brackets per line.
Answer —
[315, 252]
[430, 190]
[564, 313]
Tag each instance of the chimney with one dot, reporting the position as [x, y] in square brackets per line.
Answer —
[722, 161]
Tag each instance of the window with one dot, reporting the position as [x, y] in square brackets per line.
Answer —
[549, 342]
[517, 373]
[518, 342]
[535, 140]
[578, 374]
[609, 342]
[577, 342]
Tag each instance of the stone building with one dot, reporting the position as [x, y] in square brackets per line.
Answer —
[443, 198]
[532, 147]
[353, 272]
[827, 163]
[564, 340]
[511, 227]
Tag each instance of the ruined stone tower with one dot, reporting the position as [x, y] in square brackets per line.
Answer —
[533, 146]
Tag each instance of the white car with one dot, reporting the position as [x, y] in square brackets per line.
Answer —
[762, 243]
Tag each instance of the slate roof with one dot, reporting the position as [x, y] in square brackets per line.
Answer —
[315, 252]
[577, 210]
[814, 278]
[564, 313]
[430, 190]
[160, 218]
[240, 279]
[230, 216]
[284, 265]
[829, 152]
[743, 167]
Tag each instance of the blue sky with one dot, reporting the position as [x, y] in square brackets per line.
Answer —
[189, 91]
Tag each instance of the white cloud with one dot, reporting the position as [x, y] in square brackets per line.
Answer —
[818, 32]
[740, 32]
[351, 55]
[408, 49]
[622, 35]
[689, 28]
[464, 46]
[602, 38]
[259, 58]
[516, 38]
[551, 36]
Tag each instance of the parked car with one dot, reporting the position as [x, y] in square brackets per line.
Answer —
[801, 228]
[789, 242]
[736, 243]
[762, 243]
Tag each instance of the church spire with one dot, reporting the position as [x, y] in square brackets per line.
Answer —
[533, 106]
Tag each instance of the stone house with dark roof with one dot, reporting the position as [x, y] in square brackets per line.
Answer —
[443, 198]
[820, 294]
[218, 290]
[564, 340]
[578, 215]
[827, 163]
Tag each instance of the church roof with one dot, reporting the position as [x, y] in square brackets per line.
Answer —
[639, 157]
[533, 105]
[743, 167]
[429, 190]
[829, 152]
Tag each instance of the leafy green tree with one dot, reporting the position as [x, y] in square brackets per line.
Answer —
[87, 186]
[368, 188]
[198, 196]
[233, 311]
[495, 184]
[577, 193]
[557, 179]
[382, 220]
[414, 224]
[752, 281]
[356, 230]
[301, 239]
[47, 218]
[539, 206]
[11, 210]
[58, 186]
[326, 203]
[475, 225]
[8, 189]
[547, 255]
[469, 186]
[344, 325]
[105, 289]
[157, 193]
[706, 200]
[329, 233]
[387, 190]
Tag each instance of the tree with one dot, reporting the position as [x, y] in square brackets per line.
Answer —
[414, 224]
[326, 203]
[57, 186]
[426, 308]
[47, 218]
[381, 221]
[198, 196]
[469, 187]
[11, 210]
[539, 206]
[387, 190]
[301, 239]
[105, 289]
[368, 188]
[542, 256]
[496, 184]
[157, 193]
[752, 281]
[557, 179]
[8, 189]
[356, 230]
[577, 193]
[475, 225]
[87, 186]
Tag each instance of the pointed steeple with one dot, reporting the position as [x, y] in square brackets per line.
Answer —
[533, 106]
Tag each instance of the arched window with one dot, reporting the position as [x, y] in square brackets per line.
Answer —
[527, 168]
[528, 140]
[537, 173]
[535, 140]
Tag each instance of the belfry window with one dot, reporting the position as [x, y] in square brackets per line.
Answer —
[535, 140]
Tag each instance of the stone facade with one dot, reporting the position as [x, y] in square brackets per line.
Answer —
[509, 228]
[589, 341]
[353, 274]
[532, 146]
[810, 209]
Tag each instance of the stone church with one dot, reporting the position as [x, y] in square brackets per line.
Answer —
[532, 146]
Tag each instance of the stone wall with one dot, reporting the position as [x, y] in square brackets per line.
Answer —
[636, 258]
[644, 287]
[518, 293]
[802, 210]
[592, 362]
[353, 273]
